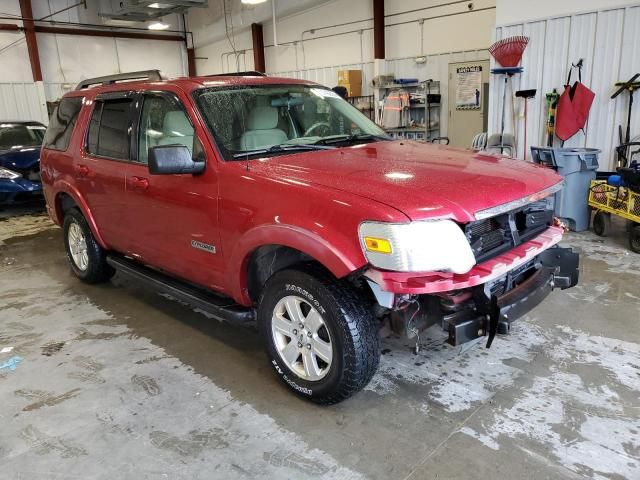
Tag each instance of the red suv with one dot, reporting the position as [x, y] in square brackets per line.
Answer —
[274, 201]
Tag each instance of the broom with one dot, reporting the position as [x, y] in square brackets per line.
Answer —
[508, 53]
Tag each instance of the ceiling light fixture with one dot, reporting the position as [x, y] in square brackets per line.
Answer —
[252, 2]
[159, 5]
[158, 26]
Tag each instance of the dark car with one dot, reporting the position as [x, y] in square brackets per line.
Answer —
[20, 144]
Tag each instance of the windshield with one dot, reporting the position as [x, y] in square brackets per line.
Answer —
[14, 136]
[261, 119]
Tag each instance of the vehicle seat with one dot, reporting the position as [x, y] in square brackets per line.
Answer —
[176, 130]
[262, 131]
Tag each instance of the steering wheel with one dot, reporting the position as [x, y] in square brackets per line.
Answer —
[316, 126]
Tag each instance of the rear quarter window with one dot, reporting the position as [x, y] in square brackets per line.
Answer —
[62, 123]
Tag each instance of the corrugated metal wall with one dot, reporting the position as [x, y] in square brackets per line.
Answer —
[22, 101]
[608, 41]
[436, 67]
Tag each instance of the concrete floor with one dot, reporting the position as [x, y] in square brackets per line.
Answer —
[114, 381]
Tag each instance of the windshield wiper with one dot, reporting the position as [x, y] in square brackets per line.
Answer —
[356, 137]
[282, 148]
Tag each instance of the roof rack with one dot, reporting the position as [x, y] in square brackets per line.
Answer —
[153, 75]
[249, 73]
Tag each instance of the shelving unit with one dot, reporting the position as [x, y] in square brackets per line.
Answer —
[365, 104]
[424, 116]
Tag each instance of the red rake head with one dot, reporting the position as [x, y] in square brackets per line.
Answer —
[508, 51]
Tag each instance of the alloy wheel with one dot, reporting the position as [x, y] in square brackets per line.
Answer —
[301, 338]
[78, 246]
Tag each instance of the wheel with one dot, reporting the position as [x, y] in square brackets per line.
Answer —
[86, 257]
[634, 238]
[320, 337]
[602, 223]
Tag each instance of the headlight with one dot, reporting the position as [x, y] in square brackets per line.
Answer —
[8, 174]
[417, 246]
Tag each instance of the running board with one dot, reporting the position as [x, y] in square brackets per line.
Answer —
[221, 308]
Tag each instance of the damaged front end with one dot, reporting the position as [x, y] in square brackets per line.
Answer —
[485, 309]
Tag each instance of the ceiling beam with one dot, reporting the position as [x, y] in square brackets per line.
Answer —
[106, 33]
[258, 47]
[32, 42]
[378, 29]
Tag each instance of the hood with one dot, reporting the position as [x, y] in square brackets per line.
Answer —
[20, 159]
[424, 181]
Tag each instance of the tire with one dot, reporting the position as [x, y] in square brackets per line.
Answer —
[87, 258]
[347, 328]
[634, 238]
[602, 223]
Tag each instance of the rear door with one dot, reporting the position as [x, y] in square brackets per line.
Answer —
[100, 172]
[176, 216]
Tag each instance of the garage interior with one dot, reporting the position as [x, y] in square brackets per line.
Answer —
[119, 381]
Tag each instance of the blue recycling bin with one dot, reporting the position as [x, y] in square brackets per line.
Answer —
[578, 166]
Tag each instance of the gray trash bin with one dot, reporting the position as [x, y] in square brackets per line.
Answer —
[578, 166]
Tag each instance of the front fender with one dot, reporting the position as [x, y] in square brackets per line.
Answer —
[62, 186]
[337, 262]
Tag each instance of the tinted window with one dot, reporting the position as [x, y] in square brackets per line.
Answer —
[109, 129]
[62, 123]
[18, 135]
[163, 122]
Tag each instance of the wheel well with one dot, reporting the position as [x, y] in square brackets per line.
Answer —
[269, 259]
[64, 202]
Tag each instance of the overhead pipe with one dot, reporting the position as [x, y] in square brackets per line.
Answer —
[353, 22]
[362, 30]
[224, 58]
[9, 27]
[83, 3]
[97, 26]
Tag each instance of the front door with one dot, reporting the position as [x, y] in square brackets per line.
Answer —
[175, 216]
[468, 105]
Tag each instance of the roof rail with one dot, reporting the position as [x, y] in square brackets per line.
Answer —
[249, 73]
[153, 75]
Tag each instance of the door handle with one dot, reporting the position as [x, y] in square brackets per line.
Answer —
[139, 183]
[82, 170]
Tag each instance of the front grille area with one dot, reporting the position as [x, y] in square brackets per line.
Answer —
[493, 236]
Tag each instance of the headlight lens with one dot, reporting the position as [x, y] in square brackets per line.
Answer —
[8, 174]
[417, 247]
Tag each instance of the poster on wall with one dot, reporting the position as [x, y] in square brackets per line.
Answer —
[469, 86]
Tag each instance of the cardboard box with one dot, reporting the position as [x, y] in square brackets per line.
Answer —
[350, 77]
[352, 90]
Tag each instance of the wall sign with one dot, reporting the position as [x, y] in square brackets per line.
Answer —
[469, 88]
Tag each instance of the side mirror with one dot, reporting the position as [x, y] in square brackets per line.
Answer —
[173, 159]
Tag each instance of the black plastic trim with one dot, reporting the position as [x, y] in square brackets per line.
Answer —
[222, 308]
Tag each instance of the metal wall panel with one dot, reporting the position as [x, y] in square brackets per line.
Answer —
[21, 101]
[556, 53]
[629, 66]
[609, 43]
[606, 71]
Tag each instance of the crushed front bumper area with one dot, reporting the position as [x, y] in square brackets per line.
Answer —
[484, 309]
[495, 305]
